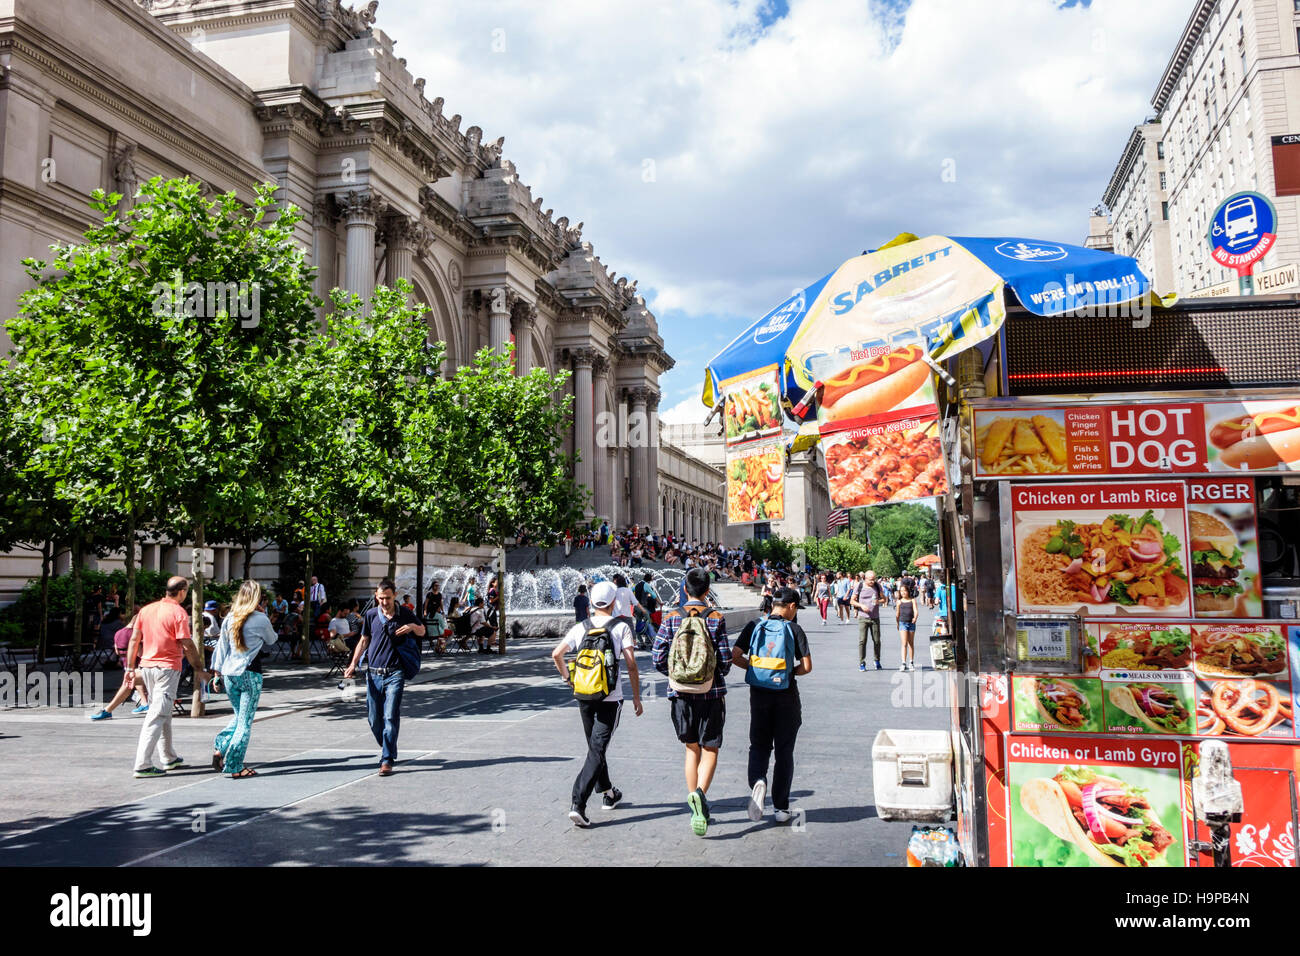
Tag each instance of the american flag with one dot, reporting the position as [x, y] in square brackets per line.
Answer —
[838, 518]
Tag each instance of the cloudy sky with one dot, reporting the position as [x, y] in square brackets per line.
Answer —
[725, 152]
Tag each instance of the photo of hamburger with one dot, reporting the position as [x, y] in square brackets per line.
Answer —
[1217, 564]
[1109, 820]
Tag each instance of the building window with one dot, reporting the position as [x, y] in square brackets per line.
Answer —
[1164, 209]
[1232, 175]
[1160, 146]
[1162, 182]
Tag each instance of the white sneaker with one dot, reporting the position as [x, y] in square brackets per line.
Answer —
[756, 798]
[903, 666]
[578, 818]
[781, 816]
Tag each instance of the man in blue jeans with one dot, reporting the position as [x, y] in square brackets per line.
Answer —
[384, 627]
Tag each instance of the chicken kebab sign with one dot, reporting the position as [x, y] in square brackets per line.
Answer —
[863, 353]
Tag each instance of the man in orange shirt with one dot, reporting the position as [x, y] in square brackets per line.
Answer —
[162, 631]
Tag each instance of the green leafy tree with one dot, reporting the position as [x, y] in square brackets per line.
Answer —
[395, 413]
[841, 553]
[191, 311]
[506, 462]
[884, 563]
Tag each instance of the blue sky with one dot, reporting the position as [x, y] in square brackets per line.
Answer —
[725, 152]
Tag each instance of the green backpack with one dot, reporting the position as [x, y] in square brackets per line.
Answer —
[692, 658]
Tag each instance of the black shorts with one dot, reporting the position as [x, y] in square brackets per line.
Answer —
[699, 720]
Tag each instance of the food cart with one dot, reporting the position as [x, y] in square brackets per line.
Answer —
[1121, 532]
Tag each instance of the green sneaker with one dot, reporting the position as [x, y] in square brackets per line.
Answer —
[151, 772]
[699, 813]
[178, 762]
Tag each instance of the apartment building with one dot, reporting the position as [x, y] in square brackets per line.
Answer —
[1225, 110]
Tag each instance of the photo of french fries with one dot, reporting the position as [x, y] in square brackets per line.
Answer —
[1023, 444]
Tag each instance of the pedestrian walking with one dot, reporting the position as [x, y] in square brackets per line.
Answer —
[385, 628]
[581, 604]
[905, 614]
[868, 601]
[823, 595]
[238, 658]
[842, 588]
[131, 683]
[599, 643]
[162, 638]
[773, 652]
[691, 649]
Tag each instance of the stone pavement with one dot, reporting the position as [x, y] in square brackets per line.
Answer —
[489, 751]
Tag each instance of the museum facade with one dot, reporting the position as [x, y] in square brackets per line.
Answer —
[310, 94]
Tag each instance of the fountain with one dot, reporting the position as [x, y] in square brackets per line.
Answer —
[540, 603]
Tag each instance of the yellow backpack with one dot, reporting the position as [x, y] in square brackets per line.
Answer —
[595, 672]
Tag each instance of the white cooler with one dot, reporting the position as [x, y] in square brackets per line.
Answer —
[912, 775]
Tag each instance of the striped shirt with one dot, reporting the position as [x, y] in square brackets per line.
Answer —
[717, 630]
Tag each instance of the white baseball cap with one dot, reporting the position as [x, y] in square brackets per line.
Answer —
[602, 594]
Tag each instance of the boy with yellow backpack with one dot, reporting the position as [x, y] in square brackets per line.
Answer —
[599, 643]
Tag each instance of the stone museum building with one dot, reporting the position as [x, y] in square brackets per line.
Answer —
[310, 94]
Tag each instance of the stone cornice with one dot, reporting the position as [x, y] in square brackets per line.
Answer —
[53, 59]
[446, 217]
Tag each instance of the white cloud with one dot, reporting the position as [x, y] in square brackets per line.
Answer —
[776, 156]
[689, 411]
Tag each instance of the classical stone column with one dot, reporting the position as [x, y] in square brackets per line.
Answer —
[524, 317]
[359, 209]
[401, 235]
[650, 475]
[638, 429]
[583, 439]
[602, 465]
[324, 245]
[499, 311]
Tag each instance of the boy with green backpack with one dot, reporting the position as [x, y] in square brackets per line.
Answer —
[773, 651]
[691, 648]
[600, 642]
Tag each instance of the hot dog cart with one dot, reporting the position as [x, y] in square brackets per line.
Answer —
[1121, 535]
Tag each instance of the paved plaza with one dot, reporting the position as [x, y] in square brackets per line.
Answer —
[489, 749]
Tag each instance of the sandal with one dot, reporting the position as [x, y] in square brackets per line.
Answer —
[218, 761]
[243, 774]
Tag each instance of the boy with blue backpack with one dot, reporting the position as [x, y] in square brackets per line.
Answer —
[773, 652]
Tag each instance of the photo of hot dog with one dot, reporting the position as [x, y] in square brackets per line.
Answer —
[1257, 440]
[874, 386]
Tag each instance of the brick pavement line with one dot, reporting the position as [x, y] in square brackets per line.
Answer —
[266, 813]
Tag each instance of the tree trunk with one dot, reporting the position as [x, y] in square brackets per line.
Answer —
[48, 551]
[307, 621]
[196, 620]
[392, 561]
[130, 564]
[78, 601]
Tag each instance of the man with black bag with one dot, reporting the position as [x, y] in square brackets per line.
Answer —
[386, 641]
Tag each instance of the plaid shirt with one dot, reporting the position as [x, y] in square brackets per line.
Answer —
[717, 630]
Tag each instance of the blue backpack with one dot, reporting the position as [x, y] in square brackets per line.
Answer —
[771, 655]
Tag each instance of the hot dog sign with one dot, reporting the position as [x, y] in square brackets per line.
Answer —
[1138, 439]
